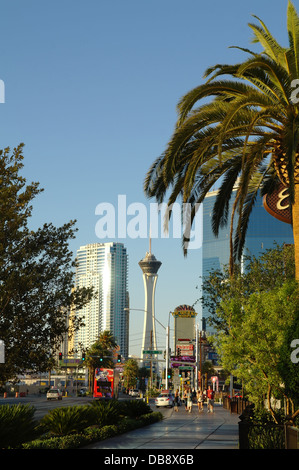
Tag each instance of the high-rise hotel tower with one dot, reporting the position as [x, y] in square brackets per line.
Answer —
[103, 266]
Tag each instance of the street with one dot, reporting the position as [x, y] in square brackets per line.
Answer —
[42, 405]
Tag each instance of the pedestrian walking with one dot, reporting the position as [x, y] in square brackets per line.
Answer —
[210, 400]
[176, 400]
[200, 400]
[185, 399]
[189, 400]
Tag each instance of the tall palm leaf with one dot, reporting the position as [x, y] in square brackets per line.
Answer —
[245, 137]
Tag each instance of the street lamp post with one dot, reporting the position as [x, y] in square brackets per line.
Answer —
[127, 309]
[167, 350]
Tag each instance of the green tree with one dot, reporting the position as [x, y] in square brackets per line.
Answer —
[265, 272]
[238, 129]
[255, 315]
[143, 374]
[130, 373]
[288, 365]
[100, 354]
[36, 276]
[252, 349]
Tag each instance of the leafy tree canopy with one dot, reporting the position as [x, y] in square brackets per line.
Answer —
[256, 316]
[36, 276]
[131, 373]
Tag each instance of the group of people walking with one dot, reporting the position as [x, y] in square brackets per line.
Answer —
[200, 396]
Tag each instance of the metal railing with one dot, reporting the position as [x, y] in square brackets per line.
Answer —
[261, 436]
[235, 405]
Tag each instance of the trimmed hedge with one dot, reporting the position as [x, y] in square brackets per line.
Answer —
[93, 434]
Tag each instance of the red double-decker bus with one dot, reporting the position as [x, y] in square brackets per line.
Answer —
[106, 383]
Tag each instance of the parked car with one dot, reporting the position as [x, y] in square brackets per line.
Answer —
[164, 399]
[134, 393]
[54, 394]
[236, 395]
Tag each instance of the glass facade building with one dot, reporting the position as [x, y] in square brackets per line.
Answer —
[103, 266]
[263, 232]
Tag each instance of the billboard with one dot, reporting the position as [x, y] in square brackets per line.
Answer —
[278, 205]
[185, 349]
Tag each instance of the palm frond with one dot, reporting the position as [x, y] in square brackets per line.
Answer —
[271, 47]
[293, 33]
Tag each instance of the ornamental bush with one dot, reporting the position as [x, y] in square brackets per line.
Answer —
[105, 412]
[92, 434]
[17, 425]
[134, 408]
[67, 420]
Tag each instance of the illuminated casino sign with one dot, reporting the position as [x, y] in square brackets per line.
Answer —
[184, 311]
[277, 204]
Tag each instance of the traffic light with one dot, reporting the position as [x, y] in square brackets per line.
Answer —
[179, 351]
[60, 356]
[118, 358]
[83, 356]
[101, 358]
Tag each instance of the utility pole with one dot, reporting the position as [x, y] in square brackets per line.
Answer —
[196, 358]
[151, 359]
[200, 361]
[167, 358]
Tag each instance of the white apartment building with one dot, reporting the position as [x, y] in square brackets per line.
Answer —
[103, 266]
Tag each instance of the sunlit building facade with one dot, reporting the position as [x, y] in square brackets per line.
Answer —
[103, 266]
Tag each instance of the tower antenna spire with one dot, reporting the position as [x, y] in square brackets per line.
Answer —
[150, 241]
[149, 266]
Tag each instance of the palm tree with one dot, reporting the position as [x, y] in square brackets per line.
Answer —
[241, 132]
[100, 354]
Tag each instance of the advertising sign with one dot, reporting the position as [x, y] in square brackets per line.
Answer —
[70, 362]
[186, 349]
[180, 361]
[104, 383]
[277, 204]
[2, 356]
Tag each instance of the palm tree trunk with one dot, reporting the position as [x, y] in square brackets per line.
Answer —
[295, 217]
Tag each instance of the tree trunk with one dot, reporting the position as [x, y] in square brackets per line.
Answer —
[295, 217]
[269, 404]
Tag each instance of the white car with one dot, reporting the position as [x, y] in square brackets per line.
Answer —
[54, 394]
[134, 393]
[164, 399]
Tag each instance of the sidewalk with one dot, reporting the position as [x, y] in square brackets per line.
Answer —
[182, 430]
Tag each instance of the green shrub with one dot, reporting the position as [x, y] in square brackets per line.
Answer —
[105, 412]
[92, 434]
[151, 418]
[134, 408]
[96, 433]
[67, 420]
[17, 425]
[263, 432]
[72, 441]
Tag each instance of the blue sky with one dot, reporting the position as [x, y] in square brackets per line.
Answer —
[91, 89]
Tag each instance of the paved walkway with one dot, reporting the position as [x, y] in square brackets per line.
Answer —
[181, 430]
